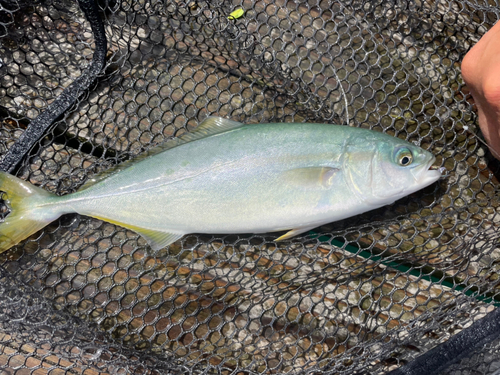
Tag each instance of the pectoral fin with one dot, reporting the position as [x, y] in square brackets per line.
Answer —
[311, 177]
[293, 233]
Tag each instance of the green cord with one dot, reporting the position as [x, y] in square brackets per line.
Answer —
[431, 275]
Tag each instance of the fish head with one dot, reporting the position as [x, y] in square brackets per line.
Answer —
[382, 169]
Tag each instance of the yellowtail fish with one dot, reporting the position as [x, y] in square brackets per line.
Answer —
[226, 177]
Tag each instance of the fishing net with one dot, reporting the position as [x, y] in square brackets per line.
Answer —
[410, 288]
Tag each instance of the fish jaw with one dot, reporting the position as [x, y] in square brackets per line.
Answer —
[424, 175]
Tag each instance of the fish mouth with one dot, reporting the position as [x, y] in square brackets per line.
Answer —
[428, 173]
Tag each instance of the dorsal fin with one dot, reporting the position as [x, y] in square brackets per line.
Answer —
[210, 126]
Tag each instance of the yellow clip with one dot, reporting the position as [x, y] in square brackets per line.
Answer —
[236, 14]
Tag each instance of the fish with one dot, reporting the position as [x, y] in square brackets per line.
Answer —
[227, 177]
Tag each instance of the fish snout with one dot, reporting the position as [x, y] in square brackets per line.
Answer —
[427, 173]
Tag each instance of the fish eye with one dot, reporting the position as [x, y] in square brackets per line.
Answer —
[404, 157]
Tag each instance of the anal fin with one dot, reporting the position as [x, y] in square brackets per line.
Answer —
[293, 233]
[156, 239]
[159, 240]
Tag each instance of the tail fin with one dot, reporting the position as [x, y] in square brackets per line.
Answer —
[26, 216]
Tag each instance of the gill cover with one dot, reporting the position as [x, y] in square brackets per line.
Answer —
[380, 172]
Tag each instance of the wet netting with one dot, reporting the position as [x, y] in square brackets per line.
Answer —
[410, 288]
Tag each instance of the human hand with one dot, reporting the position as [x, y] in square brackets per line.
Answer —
[481, 73]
